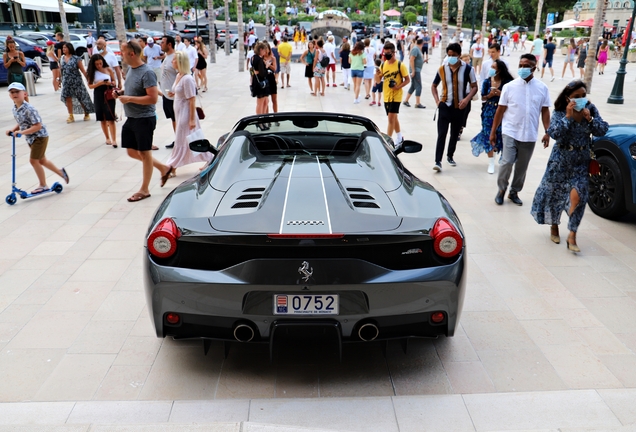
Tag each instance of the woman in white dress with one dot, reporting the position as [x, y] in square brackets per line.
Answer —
[184, 92]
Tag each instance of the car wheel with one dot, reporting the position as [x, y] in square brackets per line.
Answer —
[607, 198]
[80, 51]
[36, 77]
[235, 44]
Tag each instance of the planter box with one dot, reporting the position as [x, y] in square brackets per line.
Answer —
[631, 57]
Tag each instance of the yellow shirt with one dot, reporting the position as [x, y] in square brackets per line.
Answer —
[390, 71]
[284, 50]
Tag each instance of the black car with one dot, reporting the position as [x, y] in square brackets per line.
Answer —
[191, 30]
[305, 220]
[32, 49]
[362, 31]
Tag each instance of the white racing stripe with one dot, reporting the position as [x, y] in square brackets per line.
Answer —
[324, 193]
[282, 219]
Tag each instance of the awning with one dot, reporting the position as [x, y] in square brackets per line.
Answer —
[564, 24]
[391, 12]
[47, 6]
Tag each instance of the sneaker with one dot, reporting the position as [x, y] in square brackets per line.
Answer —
[406, 103]
[372, 103]
[171, 145]
[335, 85]
[551, 79]
[419, 106]
[356, 101]
[491, 167]
[437, 167]
[348, 87]
[87, 117]
[451, 162]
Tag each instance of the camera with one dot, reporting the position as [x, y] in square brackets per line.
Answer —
[392, 83]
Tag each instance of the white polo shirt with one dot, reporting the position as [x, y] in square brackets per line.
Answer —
[524, 101]
[487, 64]
[191, 51]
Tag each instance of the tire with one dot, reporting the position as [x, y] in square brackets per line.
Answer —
[10, 199]
[36, 77]
[58, 188]
[607, 190]
[234, 45]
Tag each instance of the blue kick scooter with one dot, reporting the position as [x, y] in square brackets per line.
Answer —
[16, 191]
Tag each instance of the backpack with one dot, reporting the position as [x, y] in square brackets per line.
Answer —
[324, 61]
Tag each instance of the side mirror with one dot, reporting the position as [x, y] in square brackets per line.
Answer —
[408, 147]
[203, 146]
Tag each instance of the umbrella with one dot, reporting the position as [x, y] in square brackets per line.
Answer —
[587, 23]
[391, 12]
[564, 24]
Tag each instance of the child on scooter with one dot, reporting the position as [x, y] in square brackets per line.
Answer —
[30, 125]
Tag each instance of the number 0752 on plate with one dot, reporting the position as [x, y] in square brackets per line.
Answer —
[306, 304]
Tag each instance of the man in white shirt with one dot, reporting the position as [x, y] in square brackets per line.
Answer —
[251, 39]
[477, 52]
[330, 50]
[250, 25]
[191, 52]
[179, 45]
[153, 56]
[167, 78]
[110, 59]
[494, 54]
[521, 103]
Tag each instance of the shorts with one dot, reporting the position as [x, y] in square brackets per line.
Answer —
[38, 147]
[168, 108]
[53, 65]
[377, 88]
[357, 73]
[477, 61]
[369, 72]
[392, 107]
[547, 62]
[137, 133]
[331, 67]
[285, 68]
[425, 49]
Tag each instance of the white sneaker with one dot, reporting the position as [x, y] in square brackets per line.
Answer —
[356, 101]
[491, 165]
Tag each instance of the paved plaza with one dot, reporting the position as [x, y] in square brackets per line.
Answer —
[547, 338]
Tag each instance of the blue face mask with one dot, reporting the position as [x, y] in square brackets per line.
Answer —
[580, 103]
[452, 60]
[492, 72]
[524, 72]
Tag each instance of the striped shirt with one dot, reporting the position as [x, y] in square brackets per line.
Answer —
[454, 80]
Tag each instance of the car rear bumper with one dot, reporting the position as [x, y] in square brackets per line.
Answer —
[211, 304]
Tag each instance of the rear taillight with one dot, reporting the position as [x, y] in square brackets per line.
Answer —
[38, 49]
[162, 241]
[446, 239]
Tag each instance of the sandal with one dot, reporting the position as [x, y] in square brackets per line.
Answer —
[39, 190]
[138, 197]
[166, 176]
[65, 175]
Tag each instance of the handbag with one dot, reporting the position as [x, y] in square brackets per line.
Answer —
[109, 93]
[17, 78]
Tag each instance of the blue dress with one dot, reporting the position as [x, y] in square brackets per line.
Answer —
[568, 168]
[481, 143]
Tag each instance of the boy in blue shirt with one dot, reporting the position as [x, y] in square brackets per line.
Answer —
[30, 125]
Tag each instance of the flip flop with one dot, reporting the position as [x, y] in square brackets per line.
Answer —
[166, 176]
[154, 148]
[65, 175]
[39, 190]
[138, 197]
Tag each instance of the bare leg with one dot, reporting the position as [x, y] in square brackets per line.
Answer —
[69, 105]
[104, 126]
[275, 103]
[39, 171]
[148, 164]
[113, 132]
[311, 86]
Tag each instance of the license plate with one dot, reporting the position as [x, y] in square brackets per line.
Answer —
[306, 304]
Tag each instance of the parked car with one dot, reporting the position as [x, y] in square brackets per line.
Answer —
[31, 66]
[392, 27]
[362, 31]
[30, 48]
[220, 38]
[190, 31]
[79, 43]
[156, 35]
[114, 46]
[613, 191]
[40, 37]
[312, 221]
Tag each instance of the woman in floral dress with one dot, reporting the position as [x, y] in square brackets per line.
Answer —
[74, 93]
[565, 182]
[498, 76]
[184, 92]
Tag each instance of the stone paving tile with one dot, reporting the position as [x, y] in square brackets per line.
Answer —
[418, 413]
[120, 412]
[235, 410]
[71, 283]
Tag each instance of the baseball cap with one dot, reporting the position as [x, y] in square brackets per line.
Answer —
[329, 33]
[16, 86]
[50, 42]
[150, 40]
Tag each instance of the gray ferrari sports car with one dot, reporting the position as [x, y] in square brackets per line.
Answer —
[305, 220]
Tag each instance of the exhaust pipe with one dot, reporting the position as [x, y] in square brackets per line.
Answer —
[243, 333]
[368, 332]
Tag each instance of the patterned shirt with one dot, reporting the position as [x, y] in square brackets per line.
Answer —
[27, 116]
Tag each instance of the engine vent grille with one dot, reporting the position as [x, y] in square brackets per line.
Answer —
[356, 194]
[249, 198]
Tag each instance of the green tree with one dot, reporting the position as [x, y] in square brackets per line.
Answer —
[511, 10]
[410, 17]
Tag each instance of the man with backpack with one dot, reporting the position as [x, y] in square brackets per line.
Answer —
[396, 76]
[454, 77]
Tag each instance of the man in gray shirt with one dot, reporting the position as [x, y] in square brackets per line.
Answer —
[415, 68]
[139, 99]
[168, 77]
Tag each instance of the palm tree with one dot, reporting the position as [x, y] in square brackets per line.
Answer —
[227, 28]
[484, 18]
[444, 41]
[239, 17]
[590, 61]
[163, 15]
[211, 32]
[118, 17]
[60, 4]
[429, 22]
[537, 24]
[460, 16]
